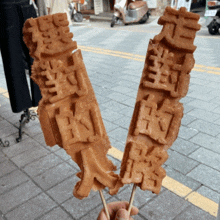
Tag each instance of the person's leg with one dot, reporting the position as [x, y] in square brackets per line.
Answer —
[13, 64]
[27, 12]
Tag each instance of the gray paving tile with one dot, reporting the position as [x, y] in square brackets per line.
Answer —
[180, 162]
[185, 180]
[203, 104]
[14, 119]
[204, 115]
[216, 110]
[5, 107]
[217, 121]
[210, 179]
[7, 129]
[205, 127]
[128, 83]
[164, 207]
[3, 157]
[113, 105]
[110, 115]
[184, 147]
[64, 190]
[62, 154]
[21, 147]
[93, 214]
[6, 166]
[187, 108]
[207, 141]
[32, 130]
[200, 95]
[141, 197]
[206, 157]
[11, 180]
[29, 156]
[186, 99]
[123, 122]
[54, 175]
[187, 119]
[40, 139]
[12, 139]
[56, 214]
[209, 193]
[127, 111]
[187, 132]
[18, 195]
[101, 99]
[119, 134]
[194, 213]
[41, 165]
[32, 209]
[109, 126]
[198, 88]
[123, 90]
[78, 208]
[130, 102]
[73, 164]
[197, 81]
[117, 96]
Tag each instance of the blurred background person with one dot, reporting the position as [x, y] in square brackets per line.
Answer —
[59, 6]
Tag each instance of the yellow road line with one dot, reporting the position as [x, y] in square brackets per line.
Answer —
[176, 187]
[2, 90]
[180, 189]
[141, 58]
[203, 203]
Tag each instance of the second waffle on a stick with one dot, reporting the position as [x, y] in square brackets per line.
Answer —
[157, 114]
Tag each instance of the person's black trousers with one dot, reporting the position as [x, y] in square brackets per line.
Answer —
[15, 54]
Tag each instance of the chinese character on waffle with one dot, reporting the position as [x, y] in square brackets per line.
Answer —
[164, 74]
[49, 40]
[179, 28]
[61, 82]
[158, 123]
[144, 166]
[82, 124]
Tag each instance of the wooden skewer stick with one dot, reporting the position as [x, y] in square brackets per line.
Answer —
[132, 198]
[104, 204]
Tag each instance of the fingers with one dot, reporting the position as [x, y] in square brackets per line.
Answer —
[122, 214]
[118, 211]
[102, 215]
[113, 207]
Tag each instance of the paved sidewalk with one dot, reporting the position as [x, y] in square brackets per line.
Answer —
[36, 181]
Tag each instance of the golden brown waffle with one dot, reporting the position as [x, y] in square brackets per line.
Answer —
[157, 115]
[68, 111]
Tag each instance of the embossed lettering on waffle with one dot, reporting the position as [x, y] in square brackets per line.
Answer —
[50, 35]
[92, 170]
[79, 125]
[164, 74]
[158, 123]
[59, 81]
[179, 28]
[144, 166]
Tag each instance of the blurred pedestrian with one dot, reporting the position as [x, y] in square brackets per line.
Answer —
[59, 6]
[15, 54]
[42, 10]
